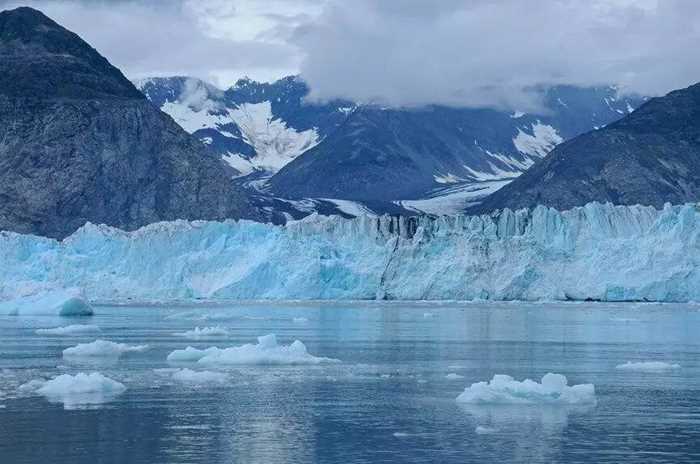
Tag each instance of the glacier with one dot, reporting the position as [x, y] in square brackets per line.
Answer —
[595, 252]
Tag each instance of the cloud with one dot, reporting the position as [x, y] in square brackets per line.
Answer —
[478, 53]
[216, 40]
[494, 52]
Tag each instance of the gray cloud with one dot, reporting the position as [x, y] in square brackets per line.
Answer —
[400, 52]
[489, 53]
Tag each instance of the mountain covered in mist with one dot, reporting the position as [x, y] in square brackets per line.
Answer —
[407, 159]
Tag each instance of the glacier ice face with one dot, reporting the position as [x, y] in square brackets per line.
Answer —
[503, 389]
[597, 252]
[59, 302]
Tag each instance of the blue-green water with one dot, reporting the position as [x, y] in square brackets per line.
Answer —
[388, 400]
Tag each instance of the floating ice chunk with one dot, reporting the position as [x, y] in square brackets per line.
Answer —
[300, 320]
[76, 390]
[502, 389]
[453, 376]
[63, 302]
[190, 354]
[76, 329]
[481, 430]
[648, 366]
[204, 332]
[101, 349]
[428, 315]
[266, 352]
[198, 377]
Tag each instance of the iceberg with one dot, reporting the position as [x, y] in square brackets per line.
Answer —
[503, 389]
[596, 252]
[63, 302]
[101, 349]
[266, 352]
[76, 390]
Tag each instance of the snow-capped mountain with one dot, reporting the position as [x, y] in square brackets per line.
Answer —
[349, 156]
[650, 157]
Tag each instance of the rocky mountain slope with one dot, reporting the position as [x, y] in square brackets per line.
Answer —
[79, 143]
[650, 157]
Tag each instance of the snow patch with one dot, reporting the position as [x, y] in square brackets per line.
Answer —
[542, 140]
[101, 349]
[503, 389]
[275, 144]
[266, 352]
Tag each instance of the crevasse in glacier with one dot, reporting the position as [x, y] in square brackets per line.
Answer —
[599, 252]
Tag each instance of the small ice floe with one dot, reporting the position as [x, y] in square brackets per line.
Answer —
[647, 366]
[401, 434]
[300, 320]
[204, 332]
[428, 315]
[69, 330]
[481, 430]
[453, 376]
[188, 376]
[503, 389]
[101, 349]
[266, 352]
[76, 390]
[61, 302]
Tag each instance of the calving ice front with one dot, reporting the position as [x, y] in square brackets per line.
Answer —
[596, 252]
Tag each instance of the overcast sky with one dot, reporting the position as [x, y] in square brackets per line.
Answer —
[399, 52]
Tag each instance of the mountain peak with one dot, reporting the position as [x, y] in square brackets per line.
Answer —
[42, 59]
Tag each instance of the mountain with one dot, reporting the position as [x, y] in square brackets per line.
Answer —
[431, 159]
[650, 157]
[79, 143]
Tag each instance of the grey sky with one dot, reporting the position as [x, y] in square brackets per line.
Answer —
[399, 52]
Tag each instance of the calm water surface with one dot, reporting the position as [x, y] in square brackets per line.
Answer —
[388, 401]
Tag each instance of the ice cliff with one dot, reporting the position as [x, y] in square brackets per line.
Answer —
[599, 252]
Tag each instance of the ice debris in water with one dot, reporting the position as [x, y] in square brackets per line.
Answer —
[61, 302]
[453, 376]
[189, 376]
[101, 349]
[75, 329]
[76, 390]
[204, 332]
[267, 351]
[300, 320]
[503, 389]
[648, 366]
[481, 430]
